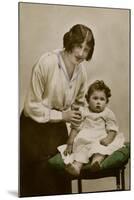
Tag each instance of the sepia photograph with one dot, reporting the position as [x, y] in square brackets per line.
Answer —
[74, 99]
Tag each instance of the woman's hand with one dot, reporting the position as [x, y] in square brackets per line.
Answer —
[72, 116]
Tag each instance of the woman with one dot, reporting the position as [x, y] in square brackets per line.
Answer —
[58, 81]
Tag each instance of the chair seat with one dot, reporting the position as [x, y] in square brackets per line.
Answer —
[87, 174]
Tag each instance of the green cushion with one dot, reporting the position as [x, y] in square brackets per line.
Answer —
[56, 162]
[117, 159]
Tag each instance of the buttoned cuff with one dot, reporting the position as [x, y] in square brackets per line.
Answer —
[55, 115]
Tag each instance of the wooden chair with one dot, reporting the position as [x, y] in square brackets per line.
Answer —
[118, 173]
[113, 166]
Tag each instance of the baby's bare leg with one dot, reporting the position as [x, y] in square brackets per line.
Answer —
[96, 161]
[74, 168]
[98, 157]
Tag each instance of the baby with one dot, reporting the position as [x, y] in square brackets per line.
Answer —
[97, 136]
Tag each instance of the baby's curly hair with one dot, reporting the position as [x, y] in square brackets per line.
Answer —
[98, 85]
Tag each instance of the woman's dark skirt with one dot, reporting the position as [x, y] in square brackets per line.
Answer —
[38, 142]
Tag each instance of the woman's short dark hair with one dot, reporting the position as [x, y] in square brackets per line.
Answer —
[98, 85]
[76, 35]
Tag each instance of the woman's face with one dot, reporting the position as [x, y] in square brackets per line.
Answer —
[79, 53]
[97, 101]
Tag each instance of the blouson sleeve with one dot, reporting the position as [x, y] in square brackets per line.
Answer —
[111, 122]
[34, 106]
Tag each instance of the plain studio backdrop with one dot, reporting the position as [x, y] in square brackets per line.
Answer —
[41, 29]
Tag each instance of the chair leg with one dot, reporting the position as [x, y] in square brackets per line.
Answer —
[123, 179]
[118, 180]
[79, 186]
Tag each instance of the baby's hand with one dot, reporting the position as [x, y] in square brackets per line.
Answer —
[104, 141]
[69, 149]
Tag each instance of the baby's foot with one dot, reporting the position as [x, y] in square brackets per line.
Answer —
[95, 166]
[72, 169]
[96, 162]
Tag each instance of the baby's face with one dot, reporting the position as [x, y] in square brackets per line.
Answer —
[97, 101]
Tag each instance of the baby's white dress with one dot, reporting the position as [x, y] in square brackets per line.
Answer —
[92, 130]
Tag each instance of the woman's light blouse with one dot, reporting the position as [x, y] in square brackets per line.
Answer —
[51, 91]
